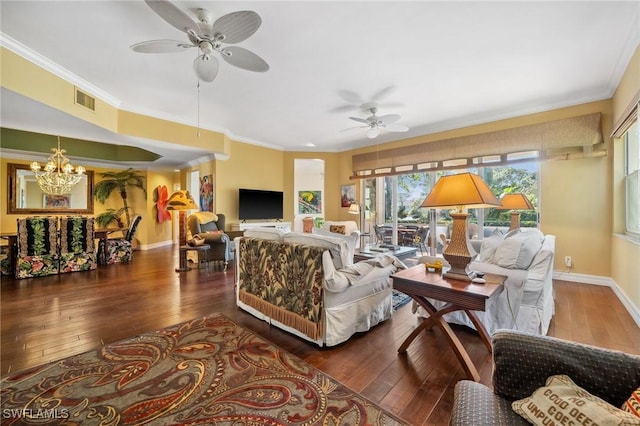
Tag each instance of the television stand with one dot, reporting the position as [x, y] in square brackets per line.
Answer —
[248, 225]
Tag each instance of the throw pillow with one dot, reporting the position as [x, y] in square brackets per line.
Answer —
[489, 247]
[563, 402]
[632, 405]
[517, 252]
[338, 229]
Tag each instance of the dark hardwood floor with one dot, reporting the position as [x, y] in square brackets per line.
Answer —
[49, 318]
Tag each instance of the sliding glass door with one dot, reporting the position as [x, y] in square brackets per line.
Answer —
[394, 204]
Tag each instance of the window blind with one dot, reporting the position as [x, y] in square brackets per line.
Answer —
[569, 138]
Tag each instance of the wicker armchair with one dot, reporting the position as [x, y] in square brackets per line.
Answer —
[523, 362]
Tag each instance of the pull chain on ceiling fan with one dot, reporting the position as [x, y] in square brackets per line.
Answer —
[375, 123]
[232, 28]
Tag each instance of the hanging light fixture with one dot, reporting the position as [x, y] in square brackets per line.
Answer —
[58, 176]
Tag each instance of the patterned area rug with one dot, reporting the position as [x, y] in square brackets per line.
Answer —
[399, 300]
[208, 371]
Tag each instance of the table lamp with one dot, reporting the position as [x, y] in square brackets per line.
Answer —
[515, 203]
[181, 201]
[464, 190]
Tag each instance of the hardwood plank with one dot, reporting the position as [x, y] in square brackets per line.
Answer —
[49, 318]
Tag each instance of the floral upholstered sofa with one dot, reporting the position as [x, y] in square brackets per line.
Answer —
[308, 285]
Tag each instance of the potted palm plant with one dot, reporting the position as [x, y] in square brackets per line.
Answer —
[117, 181]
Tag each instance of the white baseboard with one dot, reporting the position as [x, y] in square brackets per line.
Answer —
[605, 281]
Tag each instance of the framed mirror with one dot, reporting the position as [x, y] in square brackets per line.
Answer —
[24, 196]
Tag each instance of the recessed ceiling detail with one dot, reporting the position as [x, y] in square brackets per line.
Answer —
[41, 143]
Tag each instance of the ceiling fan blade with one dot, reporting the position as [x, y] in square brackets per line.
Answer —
[383, 93]
[389, 118]
[160, 46]
[237, 26]
[353, 128]
[206, 67]
[245, 59]
[359, 120]
[396, 128]
[344, 108]
[174, 16]
[351, 97]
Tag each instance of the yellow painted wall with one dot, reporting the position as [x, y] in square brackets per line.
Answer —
[625, 253]
[22, 76]
[249, 166]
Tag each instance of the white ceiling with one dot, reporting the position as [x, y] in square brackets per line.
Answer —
[440, 65]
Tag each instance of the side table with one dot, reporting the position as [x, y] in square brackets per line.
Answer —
[183, 255]
[422, 285]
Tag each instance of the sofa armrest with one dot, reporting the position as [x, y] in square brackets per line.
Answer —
[475, 404]
[523, 362]
[215, 238]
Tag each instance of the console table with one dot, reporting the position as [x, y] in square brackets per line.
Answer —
[422, 285]
[248, 225]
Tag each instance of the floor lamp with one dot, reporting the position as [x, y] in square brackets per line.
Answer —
[181, 201]
[515, 202]
[464, 190]
[355, 208]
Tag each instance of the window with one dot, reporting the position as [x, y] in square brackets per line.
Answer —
[632, 180]
[397, 200]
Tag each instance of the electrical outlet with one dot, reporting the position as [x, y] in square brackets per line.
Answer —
[567, 261]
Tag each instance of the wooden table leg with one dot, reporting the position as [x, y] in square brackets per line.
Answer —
[183, 260]
[435, 316]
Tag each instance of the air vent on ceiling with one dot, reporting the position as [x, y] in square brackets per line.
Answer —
[85, 100]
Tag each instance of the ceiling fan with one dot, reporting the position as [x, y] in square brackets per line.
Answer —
[376, 123]
[232, 28]
[355, 102]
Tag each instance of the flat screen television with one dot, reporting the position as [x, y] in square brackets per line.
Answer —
[259, 204]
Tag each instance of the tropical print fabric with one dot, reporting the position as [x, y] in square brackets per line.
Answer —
[118, 250]
[77, 247]
[284, 281]
[37, 247]
[5, 267]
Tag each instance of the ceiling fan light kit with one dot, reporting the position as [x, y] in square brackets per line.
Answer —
[232, 28]
[374, 124]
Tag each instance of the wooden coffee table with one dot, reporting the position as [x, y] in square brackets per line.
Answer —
[422, 285]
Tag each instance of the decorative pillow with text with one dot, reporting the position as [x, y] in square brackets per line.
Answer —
[562, 402]
[632, 405]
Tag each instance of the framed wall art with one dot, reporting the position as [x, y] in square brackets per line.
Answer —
[347, 195]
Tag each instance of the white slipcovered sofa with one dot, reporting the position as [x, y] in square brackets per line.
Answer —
[527, 302]
[308, 285]
[350, 228]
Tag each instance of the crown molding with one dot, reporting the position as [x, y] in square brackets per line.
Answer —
[55, 69]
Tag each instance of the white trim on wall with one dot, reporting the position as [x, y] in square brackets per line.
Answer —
[604, 281]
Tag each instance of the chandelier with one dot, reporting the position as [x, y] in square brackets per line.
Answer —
[58, 176]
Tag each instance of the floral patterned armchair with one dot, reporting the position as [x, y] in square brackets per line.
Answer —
[37, 251]
[118, 250]
[77, 246]
[5, 264]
